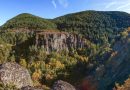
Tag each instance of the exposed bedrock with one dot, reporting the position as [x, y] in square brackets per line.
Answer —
[58, 41]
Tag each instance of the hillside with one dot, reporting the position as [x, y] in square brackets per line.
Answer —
[28, 21]
[97, 26]
[89, 49]
[117, 68]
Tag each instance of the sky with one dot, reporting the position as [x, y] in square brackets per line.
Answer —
[54, 8]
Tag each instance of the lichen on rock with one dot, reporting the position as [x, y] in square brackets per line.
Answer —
[13, 73]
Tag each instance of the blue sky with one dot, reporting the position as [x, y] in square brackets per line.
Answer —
[55, 8]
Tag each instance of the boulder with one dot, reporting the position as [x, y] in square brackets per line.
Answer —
[61, 85]
[14, 74]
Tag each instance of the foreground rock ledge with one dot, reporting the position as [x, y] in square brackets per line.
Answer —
[12, 73]
[61, 85]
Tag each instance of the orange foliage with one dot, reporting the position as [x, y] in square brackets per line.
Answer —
[126, 85]
[36, 75]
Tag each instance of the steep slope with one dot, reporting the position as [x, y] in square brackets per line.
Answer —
[96, 25]
[99, 27]
[117, 68]
[28, 21]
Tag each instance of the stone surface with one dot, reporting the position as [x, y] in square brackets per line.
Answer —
[117, 68]
[28, 88]
[58, 41]
[12, 73]
[61, 85]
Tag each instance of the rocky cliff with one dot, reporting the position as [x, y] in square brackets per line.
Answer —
[117, 68]
[58, 41]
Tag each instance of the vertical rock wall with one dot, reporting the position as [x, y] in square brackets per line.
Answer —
[58, 41]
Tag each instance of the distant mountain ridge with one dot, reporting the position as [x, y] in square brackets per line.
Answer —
[95, 25]
[121, 19]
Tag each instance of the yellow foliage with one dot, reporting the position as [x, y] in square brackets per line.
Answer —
[36, 75]
[47, 66]
[125, 33]
[81, 58]
[128, 29]
[37, 64]
[86, 59]
[48, 76]
[56, 64]
[125, 86]
[23, 62]
[59, 64]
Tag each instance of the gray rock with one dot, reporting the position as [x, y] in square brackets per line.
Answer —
[12, 73]
[117, 68]
[61, 85]
[58, 41]
[28, 88]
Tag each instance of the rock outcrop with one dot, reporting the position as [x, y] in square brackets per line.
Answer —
[58, 41]
[61, 85]
[117, 68]
[12, 73]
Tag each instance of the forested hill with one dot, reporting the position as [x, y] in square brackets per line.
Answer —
[28, 21]
[106, 19]
[97, 26]
[94, 56]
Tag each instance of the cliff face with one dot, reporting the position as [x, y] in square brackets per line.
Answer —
[117, 68]
[58, 41]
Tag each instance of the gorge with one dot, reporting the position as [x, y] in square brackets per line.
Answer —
[89, 50]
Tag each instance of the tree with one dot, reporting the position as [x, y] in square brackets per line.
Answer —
[124, 34]
[125, 86]
[23, 62]
[36, 76]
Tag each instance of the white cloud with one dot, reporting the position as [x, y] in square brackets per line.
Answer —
[109, 5]
[63, 3]
[117, 5]
[123, 6]
[54, 4]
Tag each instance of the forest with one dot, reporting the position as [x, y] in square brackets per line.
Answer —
[102, 31]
